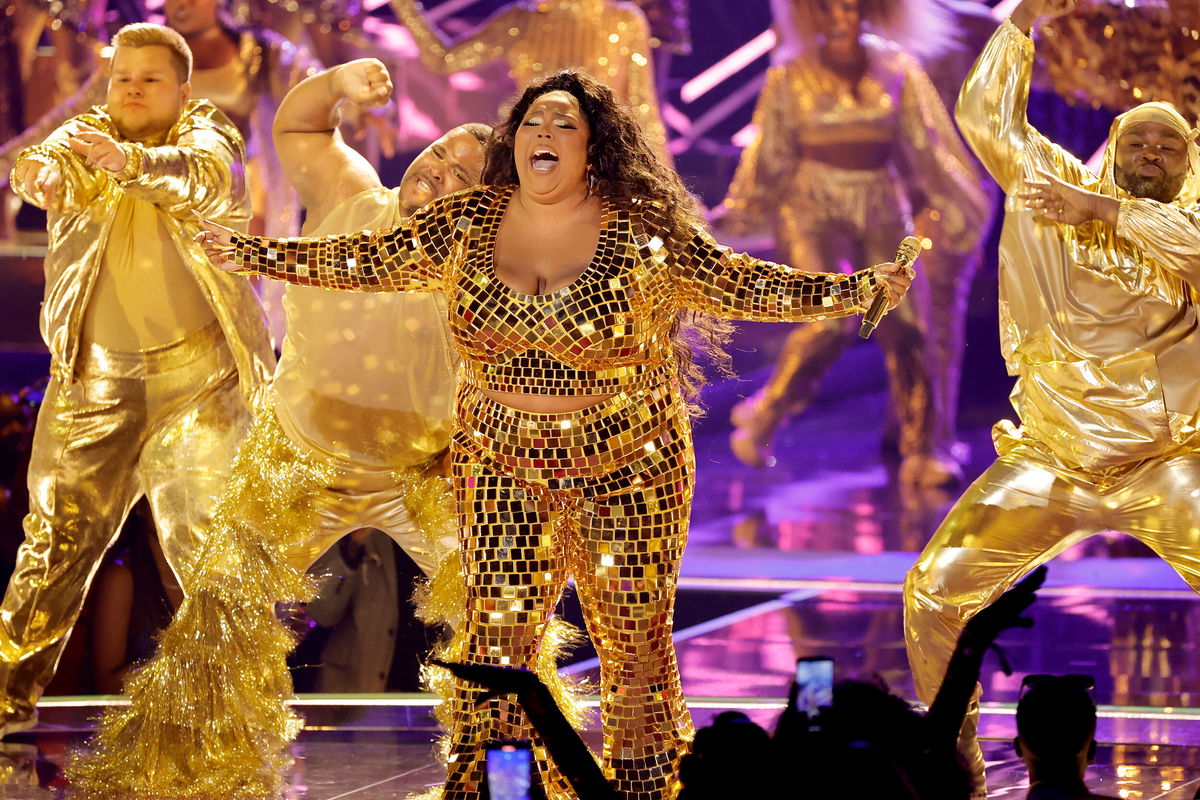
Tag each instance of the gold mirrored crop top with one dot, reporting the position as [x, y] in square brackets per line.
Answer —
[608, 331]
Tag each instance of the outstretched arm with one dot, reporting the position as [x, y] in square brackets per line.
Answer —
[717, 281]
[992, 104]
[54, 175]
[412, 257]
[316, 159]
[486, 43]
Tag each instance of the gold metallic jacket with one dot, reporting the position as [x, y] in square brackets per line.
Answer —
[805, 104]
[198, 167]
[1099, 325]
[610, 41]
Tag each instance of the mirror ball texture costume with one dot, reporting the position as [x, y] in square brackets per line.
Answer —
[1099, 326]
[601, 494]
[162, 422]
[825, 213]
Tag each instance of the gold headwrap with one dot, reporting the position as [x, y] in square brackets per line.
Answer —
[1163, 114]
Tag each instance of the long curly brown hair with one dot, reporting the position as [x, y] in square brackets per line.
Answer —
[623, 167]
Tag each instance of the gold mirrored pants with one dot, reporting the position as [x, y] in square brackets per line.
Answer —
[601, 495]
[164, 423]
[838, 218]
[1022, 512]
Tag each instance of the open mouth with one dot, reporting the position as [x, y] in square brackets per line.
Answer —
[424, 184]
[543, 160]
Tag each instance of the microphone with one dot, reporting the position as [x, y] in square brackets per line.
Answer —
[906, 254]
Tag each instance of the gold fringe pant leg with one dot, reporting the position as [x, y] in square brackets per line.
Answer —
[1022, 512]
[163, 422]
[208, 716]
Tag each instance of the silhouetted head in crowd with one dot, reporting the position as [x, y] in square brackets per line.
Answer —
[730, 757]
[1056, 728]
[867, 744]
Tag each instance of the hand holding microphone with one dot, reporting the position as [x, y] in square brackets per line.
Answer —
[899, 277]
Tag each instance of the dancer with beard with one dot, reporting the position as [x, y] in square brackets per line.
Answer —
[1099, 324]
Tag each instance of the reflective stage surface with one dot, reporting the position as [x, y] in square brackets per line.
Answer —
[806, 559]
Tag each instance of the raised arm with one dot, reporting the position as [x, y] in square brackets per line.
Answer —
[317, 161]
[717, 281]
[412, 257]
[992, 104]
[486, 43]
[938, 163]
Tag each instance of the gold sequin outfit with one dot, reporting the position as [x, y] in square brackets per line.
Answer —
[608, 40]
[1099, 325]
[114, 425]
[344, 442]
[1117, 55]
[829, 214]
[601, 494]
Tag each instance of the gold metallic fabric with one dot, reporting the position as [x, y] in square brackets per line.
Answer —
[163, 423]
[1099, 325]
[844, 215]
[608, 330]
[609, 40]
[208, 717]
[366, 378]
[805, 104]
[602, 494]
[198, 167]
[1027, 508]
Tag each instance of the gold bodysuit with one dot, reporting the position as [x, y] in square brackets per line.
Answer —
[829, 214]
[601, 494]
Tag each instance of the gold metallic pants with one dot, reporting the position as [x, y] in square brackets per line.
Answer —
[355, 496]
[163, 423]
[1022, 512]
[837, 218]
[602, 495]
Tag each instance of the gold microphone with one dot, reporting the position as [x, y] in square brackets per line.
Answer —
[906, 254]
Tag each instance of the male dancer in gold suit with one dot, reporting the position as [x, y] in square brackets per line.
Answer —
[350, 436]
[155, 356]
[1099, 324]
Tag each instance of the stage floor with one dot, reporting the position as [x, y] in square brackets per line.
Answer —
[808, 558]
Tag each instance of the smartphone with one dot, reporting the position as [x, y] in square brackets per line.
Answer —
[814, 683]
[509, 770]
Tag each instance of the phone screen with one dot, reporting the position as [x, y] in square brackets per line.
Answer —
[814, 683]
[509, 767]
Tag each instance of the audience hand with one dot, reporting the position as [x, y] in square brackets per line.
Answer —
[1005, 613]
